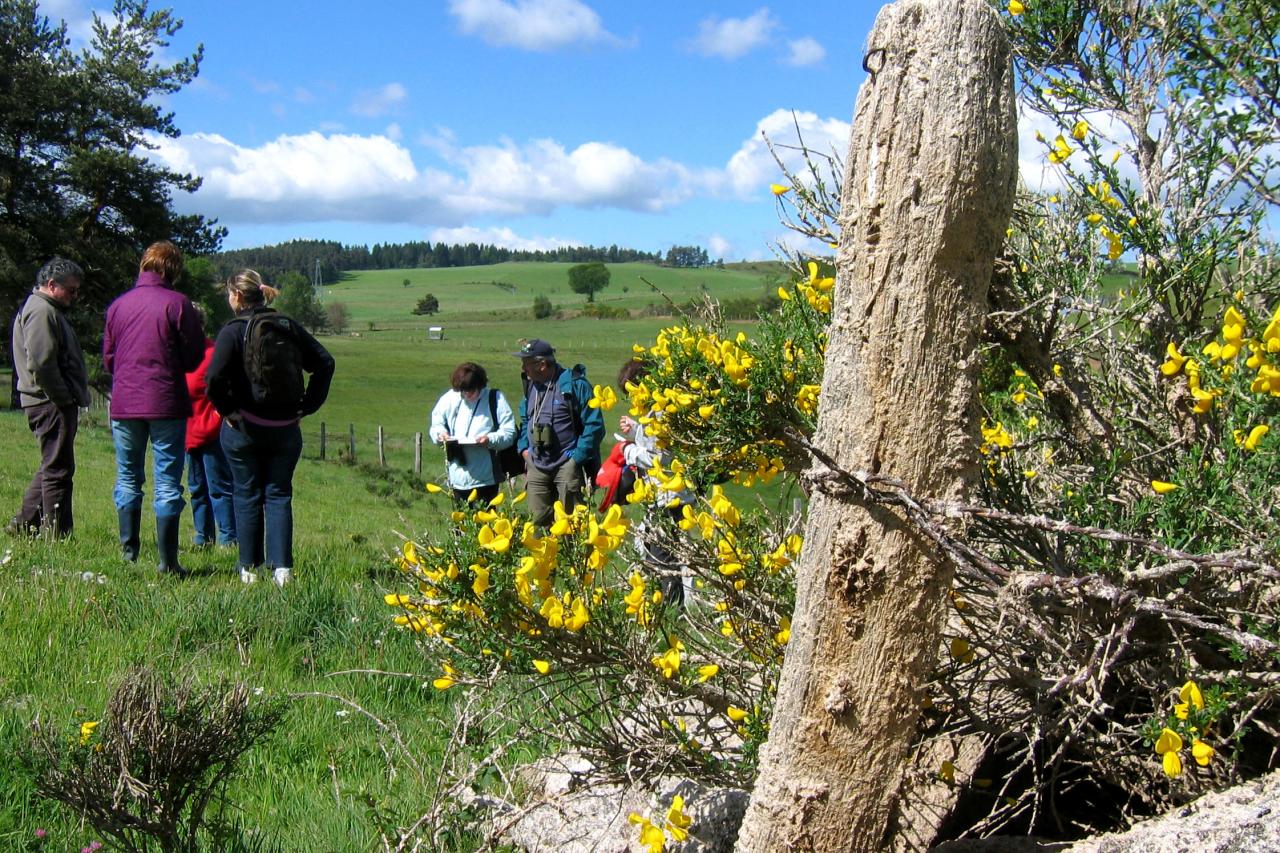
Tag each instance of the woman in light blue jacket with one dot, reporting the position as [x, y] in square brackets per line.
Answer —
[473, 423]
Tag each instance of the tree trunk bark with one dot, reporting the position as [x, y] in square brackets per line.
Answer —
[927, 196]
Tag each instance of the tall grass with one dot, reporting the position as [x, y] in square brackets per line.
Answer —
[74, 618]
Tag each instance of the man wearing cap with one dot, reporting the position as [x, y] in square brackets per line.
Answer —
[559, 435]
[52, 386]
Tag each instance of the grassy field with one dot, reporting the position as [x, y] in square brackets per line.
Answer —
[390, 374]
[506, 291]
[74, 618]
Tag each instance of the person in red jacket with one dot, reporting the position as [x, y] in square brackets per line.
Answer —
[208, 475]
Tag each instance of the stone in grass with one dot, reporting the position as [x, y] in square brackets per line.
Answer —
[577, 817]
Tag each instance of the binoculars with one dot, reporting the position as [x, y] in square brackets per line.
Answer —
[543, 436]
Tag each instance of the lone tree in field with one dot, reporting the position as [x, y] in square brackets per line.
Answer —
[428, 304]
[588, 278]
[927, 195]
[298, 299]
[336, 318]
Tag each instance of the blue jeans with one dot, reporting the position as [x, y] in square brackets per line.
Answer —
[168, 439]
[262, 460]
[209, 479]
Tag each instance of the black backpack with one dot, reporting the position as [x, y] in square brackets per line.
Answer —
[507, 463]
[273, 361]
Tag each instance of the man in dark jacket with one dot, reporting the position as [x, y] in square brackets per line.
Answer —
[52, 386]
[559, 433]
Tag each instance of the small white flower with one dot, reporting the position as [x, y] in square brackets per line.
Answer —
[342, 713]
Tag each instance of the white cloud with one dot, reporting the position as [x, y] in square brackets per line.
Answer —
[317, 177]
[752, 168]
[263, 87]
[529, 24]
[541, 175]
[734, 37]
[805, 51]
[504, 237]
[76, 14]
[379, 101]
[394, 132]
[311, 177]
[718, 247]
[785, 244]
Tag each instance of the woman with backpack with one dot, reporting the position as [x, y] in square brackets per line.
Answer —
[255, 381]
[474, 423]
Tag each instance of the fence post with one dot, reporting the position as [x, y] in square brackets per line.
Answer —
[928, 190]
[323, 438]
[351, 442]
[382, 451]
[417, 454]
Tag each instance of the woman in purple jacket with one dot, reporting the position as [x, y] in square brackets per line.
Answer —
[153, 338]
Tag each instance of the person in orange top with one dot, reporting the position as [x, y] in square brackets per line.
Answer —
[208, 474]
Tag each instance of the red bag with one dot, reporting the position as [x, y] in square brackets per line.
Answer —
[616, 477]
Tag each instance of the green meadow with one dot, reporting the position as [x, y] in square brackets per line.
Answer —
[365, 731]
[390, 372]
[504, 291]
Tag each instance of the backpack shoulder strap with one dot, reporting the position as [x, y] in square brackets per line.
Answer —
[579, 371]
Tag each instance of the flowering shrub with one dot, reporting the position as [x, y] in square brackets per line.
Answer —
[571, 614]
[575, 613]
[733, 407]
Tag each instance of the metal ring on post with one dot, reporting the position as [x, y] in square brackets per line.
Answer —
[866, 60]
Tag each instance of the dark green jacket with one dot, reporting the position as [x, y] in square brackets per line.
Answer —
[47, 356]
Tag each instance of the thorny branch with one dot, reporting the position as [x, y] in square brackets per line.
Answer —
[1068, 659]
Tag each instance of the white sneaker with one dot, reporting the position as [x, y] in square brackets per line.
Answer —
[247, 576]
[282, 576]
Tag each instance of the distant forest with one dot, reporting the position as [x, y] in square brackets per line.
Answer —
[300, 256]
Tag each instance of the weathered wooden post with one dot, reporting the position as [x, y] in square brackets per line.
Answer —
[417, 454]
[382, 450]
[323, 439]
[351, 442]
[927, 196]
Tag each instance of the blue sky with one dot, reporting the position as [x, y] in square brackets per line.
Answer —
[528, 123]
[525, 123]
